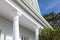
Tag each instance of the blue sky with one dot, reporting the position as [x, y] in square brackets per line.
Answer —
[48, 6]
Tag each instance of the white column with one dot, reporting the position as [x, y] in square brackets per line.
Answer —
[2, 36]
[16, 27]
[37, 33]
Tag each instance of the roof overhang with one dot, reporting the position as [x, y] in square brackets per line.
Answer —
[30, 11]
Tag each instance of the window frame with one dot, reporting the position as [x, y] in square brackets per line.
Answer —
[24, 38]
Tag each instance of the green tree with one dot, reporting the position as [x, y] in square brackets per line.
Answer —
[53, 18]
[48, 34]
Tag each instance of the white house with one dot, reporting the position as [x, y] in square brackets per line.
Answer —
[20, 20]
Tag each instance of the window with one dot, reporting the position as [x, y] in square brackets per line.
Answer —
[24, 38]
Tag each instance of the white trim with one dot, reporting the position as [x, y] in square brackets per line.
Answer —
[38, 17]
[22, 12]
[38, 7]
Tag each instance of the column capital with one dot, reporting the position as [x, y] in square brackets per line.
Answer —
[18, 13]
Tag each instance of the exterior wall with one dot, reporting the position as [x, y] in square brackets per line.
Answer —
[7, 31]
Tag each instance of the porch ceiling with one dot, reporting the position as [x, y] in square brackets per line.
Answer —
[8, 12]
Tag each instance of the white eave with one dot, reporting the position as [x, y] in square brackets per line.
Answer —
[31, 11]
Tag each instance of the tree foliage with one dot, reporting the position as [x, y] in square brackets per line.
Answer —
[48, 34]
[53, 18]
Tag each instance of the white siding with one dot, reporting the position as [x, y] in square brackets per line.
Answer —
[7, 29]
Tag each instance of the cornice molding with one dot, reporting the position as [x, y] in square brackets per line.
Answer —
[32, 12]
